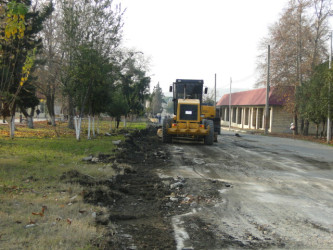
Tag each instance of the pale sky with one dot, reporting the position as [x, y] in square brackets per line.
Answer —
[194, 39]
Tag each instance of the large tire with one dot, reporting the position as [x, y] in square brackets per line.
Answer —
[217, 125]
[166, 138]
[209, 139]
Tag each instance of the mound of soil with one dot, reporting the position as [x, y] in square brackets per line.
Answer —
[136, 198]
[142, 207]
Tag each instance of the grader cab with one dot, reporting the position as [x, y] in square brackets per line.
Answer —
[191, 118]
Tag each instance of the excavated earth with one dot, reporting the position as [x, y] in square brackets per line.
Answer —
[140, 204]
[234, 194]
[137, 200]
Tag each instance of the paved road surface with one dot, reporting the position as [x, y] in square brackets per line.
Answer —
[278, 193]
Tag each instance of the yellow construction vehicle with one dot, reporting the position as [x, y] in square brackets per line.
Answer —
[191, 118]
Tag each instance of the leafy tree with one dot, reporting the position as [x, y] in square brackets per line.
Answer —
[27, 99]
[118, 106]
[134, 82]
[19, 43]
[92, 77]
[312, 98]
[157, 100]
[86, 23]
[169, 108]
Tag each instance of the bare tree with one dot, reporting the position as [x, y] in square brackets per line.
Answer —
[320, 29]
[297, 42]
[48, 72]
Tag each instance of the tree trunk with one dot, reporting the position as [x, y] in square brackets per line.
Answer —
[89, 127]
[317, 130]
[118, 121]
[302, 126]
[306, 127]
[93, 127]
[53, 120]
[50, 108]
[71, 113]
[331, 131]
[98, 124]
[30, 120]
[77, 124]
[12, 126]
[296, 125]
[125, 124]
[322, 133]
[110, 124]
[12, 121]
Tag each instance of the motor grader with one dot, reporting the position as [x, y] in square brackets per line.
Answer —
[192, 119]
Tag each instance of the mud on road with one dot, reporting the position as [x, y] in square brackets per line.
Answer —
[234, 194]
[145, 210]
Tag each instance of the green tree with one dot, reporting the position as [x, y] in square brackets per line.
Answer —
[134, 82]
[27, 99]
[157, 100]
[118, 106]
[312, 96]
[19, 43]
[93, 76]
[170, 108]
[86, 23]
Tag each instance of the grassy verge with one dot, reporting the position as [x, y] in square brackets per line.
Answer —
[37, 209]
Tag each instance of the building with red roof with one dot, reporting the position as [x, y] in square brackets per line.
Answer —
[247, 110]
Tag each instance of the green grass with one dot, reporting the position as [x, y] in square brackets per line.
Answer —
[46, 159]
[30, 170]
[39, 154]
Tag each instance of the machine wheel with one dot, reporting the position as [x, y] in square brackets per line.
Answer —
[217, 125]
[209, 139]
[204, 122]
[165, 136]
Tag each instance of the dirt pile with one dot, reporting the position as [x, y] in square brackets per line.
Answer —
[135, 198]
[145, 211]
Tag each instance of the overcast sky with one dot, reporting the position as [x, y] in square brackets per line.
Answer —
[194, 39]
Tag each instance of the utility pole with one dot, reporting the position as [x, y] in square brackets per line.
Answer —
[230, 105]
[329, 95]
[267, 90]
[215, 93]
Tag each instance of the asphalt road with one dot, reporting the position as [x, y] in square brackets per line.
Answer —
[277, 193]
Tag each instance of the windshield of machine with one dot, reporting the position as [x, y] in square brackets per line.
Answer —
[191, 91]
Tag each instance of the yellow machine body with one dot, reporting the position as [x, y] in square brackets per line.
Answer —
[185, 127]
[208, 111]
[191, 119]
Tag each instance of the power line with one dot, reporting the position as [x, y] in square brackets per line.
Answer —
[245, 78]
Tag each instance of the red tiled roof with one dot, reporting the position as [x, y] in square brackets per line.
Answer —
[253, 97]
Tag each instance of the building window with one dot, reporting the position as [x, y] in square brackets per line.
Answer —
[227, 114]
[254, 117]
[222, 115]
[246, 122]
[234, 110]
[260, 117]
[239, 116]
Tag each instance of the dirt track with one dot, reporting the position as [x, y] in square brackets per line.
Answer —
[243, 192]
